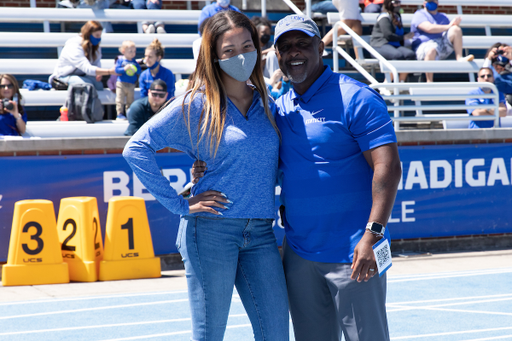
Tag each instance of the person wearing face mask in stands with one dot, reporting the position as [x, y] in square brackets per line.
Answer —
[499, 60]
[80, 59]
[270, 64]
[211, 10]
[435, 36]
[388, 35]
[225, 236]
[152, 57]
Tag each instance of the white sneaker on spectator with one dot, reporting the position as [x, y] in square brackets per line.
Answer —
[150, 29]
[160, 29]
[468, 58]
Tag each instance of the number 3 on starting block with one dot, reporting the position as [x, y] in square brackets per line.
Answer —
[128, 250]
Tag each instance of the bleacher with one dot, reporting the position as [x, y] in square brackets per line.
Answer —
[182, 28]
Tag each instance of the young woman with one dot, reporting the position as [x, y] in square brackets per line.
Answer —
[80, 59]
[13, 118]
[152, 57]
[225, 235]
[388, 35]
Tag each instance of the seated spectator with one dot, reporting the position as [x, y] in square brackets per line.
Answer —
[323, 6]
[373, 6]
[499, 60]
[150, 27]
[210, 10]
[268, 53]
[484, 75]
[13, 118]
[350, 14]
[435, 36]
[152, 57]
[80, 59]
[144, 108]
[388, 35]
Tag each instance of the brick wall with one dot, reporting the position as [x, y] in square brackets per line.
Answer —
[170, 4]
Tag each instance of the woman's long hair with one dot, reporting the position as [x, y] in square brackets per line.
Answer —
[388, 7]
[207, 80]
[87, 30]
[16, 89]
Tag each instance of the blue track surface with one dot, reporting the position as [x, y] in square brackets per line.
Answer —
[469, 306]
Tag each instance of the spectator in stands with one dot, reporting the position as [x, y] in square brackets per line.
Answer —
[323, 6]
[80, 59]
[373, 6]
[279, 84]
[350, 14]
[211, 10]
[196, 45]
[225, 236]
[150, 27]
[435, 36]
[269, 59]
[388, 35]
[144, 108]
[129, 69]
[152, 57]
[12, 120]
[485, 75]
[499, 60]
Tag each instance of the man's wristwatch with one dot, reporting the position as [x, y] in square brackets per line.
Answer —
[376, 228]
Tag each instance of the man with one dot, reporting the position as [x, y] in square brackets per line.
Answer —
[144, 108]
[339, 169]
[499, 60]
[435, 36]
[485, 75]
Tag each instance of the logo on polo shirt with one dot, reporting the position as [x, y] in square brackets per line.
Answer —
[315, 120]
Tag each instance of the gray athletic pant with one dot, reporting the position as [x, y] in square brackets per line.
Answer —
[324, 301]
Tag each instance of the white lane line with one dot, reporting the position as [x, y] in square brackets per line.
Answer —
[453, 304]
[450, 333]
[104, 326]
[493, 338]
[413, 279]
[452, 310]
[444, 273]
[92, 298]
[449, 299]
[92, 309]
[145, 337]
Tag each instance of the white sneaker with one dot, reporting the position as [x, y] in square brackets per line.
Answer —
[160, 29]
[150, 29]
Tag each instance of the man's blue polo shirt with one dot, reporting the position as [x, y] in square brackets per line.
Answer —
[479, 101]
[326, 183]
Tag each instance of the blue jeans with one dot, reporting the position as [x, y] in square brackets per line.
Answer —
[73, 79]
[144, 4]
[220, 253]
[323, 7]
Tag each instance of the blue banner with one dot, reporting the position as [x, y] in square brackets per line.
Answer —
[445, 190]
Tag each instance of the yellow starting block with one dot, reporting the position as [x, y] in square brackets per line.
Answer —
[128, 250]
[80, 235]
[34, 250]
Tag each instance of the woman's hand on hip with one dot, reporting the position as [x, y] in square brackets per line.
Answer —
[206, 201]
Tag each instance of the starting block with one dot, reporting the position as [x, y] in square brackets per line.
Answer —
[128, 250]
[34, 250]
[79, 232]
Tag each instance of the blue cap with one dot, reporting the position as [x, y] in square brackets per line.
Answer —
[501, 60]
[296, 22]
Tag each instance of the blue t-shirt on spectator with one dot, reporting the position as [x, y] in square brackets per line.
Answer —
[399, 31]
[8, 124]
[421, 16]
[326, 182]
[146, 78]
[481, 101]
[120, 64]
[211, 10]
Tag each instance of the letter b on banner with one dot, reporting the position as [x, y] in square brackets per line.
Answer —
[80, 235]
[34, 251]
[128, 246]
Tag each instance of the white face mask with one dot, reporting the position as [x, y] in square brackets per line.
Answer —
[223, 3]
[240, 67]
